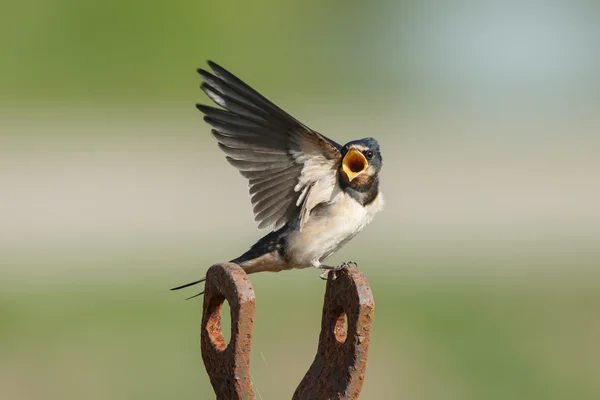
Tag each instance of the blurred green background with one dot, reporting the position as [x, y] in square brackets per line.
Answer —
[484, 263]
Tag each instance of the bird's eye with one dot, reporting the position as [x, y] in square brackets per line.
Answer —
[369, 154]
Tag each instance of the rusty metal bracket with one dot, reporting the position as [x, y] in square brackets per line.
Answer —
[228, 365]
[338, 371]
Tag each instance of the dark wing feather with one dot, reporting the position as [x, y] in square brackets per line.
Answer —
[290, 167]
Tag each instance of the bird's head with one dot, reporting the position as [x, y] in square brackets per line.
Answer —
[361, 162]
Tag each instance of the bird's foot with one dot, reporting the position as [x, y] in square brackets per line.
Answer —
[335, 269]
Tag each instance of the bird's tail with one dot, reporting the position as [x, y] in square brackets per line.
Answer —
[236, 261]
[265, 245]
[191, 284]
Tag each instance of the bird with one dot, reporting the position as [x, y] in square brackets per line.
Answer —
[314, 194]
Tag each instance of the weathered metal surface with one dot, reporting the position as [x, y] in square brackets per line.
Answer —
[228, 365]
[338, 371]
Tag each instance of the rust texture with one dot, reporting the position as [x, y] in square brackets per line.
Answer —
[338, 371]
[228, 365]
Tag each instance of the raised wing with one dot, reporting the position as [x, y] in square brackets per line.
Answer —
[290, 167]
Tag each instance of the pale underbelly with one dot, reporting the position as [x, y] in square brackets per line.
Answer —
[307, 250]
[326, 233]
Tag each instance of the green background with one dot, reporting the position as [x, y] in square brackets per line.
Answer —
[484, 263]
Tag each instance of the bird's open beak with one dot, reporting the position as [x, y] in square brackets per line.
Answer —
[354, 164]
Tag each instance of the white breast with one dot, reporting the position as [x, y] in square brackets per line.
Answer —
[329, 228]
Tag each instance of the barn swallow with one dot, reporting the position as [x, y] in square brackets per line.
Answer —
[314, 194]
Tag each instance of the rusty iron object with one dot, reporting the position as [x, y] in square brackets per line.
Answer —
[228, 365]
[338, 370]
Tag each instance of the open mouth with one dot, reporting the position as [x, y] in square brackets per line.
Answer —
[354, 164]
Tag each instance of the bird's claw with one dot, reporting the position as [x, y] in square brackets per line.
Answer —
[337, 268]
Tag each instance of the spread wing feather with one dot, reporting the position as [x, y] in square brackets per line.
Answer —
[291, 168]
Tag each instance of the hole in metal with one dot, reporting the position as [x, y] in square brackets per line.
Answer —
[218, 322]
[340, 330]
[226, 322]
